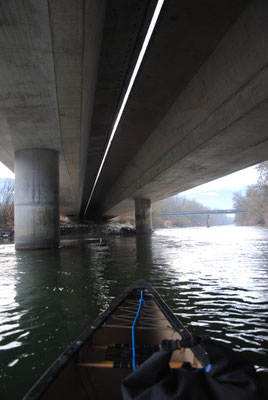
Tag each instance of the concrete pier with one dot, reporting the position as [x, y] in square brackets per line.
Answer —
[36, 199]
[143, 214]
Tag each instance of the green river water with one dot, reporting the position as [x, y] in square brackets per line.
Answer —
[215, 280]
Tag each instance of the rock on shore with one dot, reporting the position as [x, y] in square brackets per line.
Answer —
[109, 228]
[6, 234]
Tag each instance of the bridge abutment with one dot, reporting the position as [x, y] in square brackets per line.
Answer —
[36, 199]
[143, 214]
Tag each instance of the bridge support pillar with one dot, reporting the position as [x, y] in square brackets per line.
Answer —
[143, 214]
[36, 199]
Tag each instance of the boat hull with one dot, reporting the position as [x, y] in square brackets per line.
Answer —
[97, 362]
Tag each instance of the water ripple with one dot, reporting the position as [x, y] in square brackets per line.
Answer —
[215, 280]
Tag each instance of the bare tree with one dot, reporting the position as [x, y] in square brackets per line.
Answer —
[6, 203]
[255, 200]
[178, 204]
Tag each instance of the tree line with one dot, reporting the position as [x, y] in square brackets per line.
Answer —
[177, 204]
[254, 201]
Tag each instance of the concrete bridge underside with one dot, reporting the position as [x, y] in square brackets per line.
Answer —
[197, 111]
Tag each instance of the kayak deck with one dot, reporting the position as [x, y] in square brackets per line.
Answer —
[104, 359]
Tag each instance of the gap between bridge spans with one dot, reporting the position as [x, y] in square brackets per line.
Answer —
[125, 99]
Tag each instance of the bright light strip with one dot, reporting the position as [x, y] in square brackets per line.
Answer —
[132, 80]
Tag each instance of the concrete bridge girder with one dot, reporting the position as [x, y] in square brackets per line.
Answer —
[216, 126]
[197, 111]
[29, 88]
[62, 60]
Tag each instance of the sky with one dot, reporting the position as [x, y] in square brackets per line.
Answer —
[5, 172]
[216, 194]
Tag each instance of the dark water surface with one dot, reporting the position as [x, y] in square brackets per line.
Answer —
[215, 280]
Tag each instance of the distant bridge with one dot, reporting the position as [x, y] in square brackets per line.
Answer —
[204, 212]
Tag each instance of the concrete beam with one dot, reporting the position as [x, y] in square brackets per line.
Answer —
[198, 109]
[66, 30]
[217, 125]
[64, 66]
[125, 26]
[30, 101]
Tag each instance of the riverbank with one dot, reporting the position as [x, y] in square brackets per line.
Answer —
[101, 229]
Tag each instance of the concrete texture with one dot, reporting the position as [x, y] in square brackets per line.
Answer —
[216, 125]
[66, 31]
[198, 109]
[61, 62]
[124, 27]
[143, 215]
[186, 34]
[36, 199]
[29, 112]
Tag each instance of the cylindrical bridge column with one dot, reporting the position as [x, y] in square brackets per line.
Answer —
[143, 214]
[36, 199]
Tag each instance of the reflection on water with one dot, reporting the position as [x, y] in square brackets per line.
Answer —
[222, 274]
[214, 279]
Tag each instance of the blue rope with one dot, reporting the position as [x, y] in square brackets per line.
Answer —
[207, 368]
[141, 301]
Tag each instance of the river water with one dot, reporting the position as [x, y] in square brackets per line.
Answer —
[215, 280]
